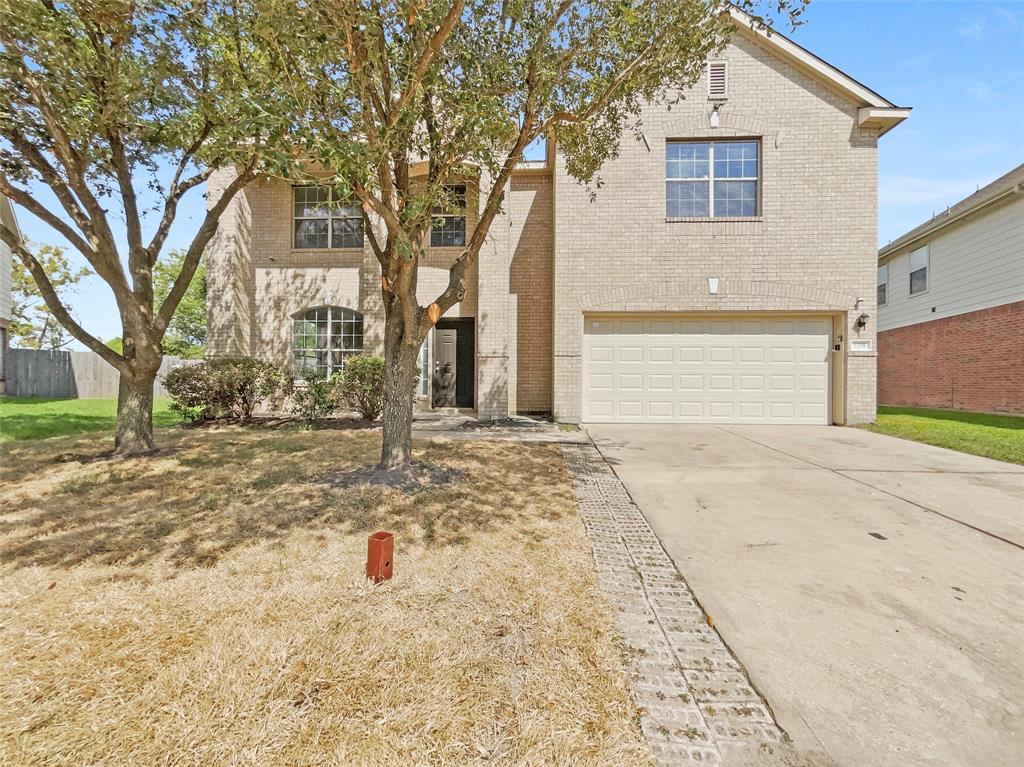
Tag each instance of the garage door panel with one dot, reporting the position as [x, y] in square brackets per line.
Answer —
[690, 355]
[756, 370]
[812, 383]
[781, 355]
[631, 382]
[752, 410]
[660, 409]
[721, 354]
[661, 354]
[751, 355]
[660, 382]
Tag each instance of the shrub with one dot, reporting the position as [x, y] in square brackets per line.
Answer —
[362, 385]
[315, 397]
[229, 387]
[242, 383]
[190, 390]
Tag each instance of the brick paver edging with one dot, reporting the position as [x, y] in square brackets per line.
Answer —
[697, 704]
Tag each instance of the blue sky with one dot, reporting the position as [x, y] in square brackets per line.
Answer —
[958, 63]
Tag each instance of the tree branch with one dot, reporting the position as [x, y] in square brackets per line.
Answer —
[29, 203]
[434, 46]
[56, 307]
[195, 250]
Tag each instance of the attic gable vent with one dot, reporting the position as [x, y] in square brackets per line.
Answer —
[718, 80]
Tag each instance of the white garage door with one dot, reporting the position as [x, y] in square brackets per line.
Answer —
[706, 370]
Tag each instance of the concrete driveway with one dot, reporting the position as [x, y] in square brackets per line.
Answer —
[873, 587]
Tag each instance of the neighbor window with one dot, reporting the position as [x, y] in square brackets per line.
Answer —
[326, 219]
[449, 225]
[919, 270]
[711, 179]
[883, 284]
[324, 337]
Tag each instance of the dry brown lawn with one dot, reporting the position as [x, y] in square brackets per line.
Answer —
[207, 607]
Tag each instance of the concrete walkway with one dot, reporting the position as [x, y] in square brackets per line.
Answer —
[872, 587]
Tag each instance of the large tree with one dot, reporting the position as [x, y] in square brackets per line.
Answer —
[384, 89]
[111, 111]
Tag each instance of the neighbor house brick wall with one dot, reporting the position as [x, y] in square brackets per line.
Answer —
[972, 361]
[812, 249]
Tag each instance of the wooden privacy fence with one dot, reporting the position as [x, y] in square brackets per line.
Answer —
[69, 375]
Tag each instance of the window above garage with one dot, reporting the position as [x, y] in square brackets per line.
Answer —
[712, 179]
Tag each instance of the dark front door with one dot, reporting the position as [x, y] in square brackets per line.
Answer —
[445, 359]
[452, 380]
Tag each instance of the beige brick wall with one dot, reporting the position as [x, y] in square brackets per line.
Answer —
[229, 272]
[554, 253]
[258, 281]
[812, 248]
[531, 284]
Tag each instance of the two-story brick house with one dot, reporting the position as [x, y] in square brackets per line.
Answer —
[951, 306]
[722, 273]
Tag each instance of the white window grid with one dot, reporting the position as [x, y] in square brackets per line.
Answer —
[448, 228]
[324, 337]
[342, 218]
[710, 178]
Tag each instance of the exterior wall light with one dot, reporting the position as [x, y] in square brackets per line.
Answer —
[862, 321]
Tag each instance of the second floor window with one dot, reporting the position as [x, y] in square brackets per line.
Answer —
[883, 284]
[919, 270]
[449, 226]
[324, 219]
[711, 179]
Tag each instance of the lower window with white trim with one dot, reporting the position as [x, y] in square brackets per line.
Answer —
[324, 337]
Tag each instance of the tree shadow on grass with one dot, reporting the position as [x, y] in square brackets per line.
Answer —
[216, 490]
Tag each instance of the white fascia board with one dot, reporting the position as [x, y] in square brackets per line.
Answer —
[883, 119]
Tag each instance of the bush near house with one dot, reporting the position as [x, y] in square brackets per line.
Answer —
[362, 385]
[359, 385]
[230, 387]
[315, 397]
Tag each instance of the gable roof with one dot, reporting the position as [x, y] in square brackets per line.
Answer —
[7, 215]
[1008, 185]
[874, 111]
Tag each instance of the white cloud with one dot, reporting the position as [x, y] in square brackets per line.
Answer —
[916, 190]
[972, 29]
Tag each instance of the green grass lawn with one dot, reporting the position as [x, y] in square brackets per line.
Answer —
[33, 418]
[993, 436]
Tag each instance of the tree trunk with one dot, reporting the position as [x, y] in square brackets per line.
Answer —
[134, 432]
[400, 363]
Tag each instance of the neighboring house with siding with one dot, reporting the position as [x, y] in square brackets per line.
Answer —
[722, 274]
[951, 306]
[8, 220]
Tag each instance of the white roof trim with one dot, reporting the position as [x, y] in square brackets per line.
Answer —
[807, 61]
[882, 118]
